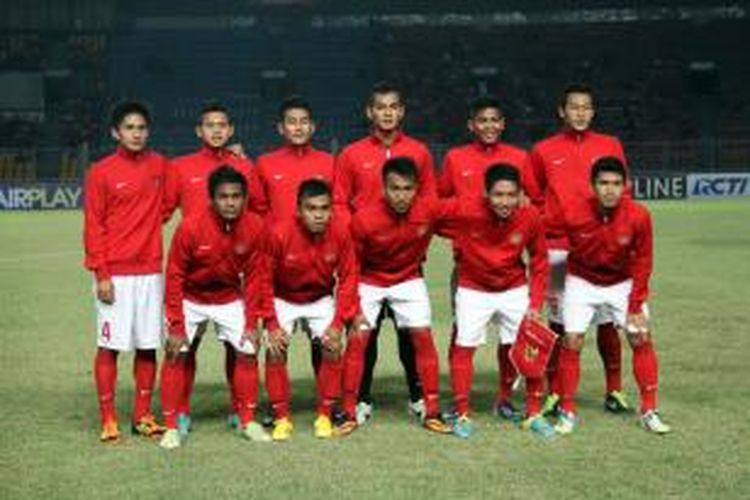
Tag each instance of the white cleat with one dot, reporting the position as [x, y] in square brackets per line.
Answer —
[417, 409]
[170, 440]
[255, 432]
[364, 412]
[652, 422]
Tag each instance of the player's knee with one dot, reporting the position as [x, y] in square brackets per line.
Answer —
[331, 355]
[275, 357]
[573, 341]
[636, 339]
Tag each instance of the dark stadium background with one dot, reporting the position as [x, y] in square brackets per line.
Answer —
[672, 77]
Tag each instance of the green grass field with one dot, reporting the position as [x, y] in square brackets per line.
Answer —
[49, 430]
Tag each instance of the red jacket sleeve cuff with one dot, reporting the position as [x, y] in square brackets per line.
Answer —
[272, 323]
[102, 273]
[635, 306]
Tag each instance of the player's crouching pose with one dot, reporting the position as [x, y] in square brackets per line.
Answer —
[215, 270]
[491, 235]
[311, 257]
[392, 236]
[122, 239]
[609, 266]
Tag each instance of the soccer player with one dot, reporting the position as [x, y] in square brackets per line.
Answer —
[491, 236]
[561, 165]
[392, 237]
[123, 246]
[280, 172]
[312, 259]
[462, 176]
[609, 267]
[186, 188]
[358, 183]
[212, 253]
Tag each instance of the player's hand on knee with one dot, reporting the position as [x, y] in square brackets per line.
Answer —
[105, 291]
[277, 342]
[254, 337]
[332, 340]
[173, 345]
[636, 324]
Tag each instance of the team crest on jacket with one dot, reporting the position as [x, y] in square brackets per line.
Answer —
[421, 230]
[516, 238]
[240, 248]
[623, 239]
[330, 257]
[531, 352]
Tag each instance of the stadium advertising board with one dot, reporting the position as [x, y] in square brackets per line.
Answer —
[41, 196]
[660, 187]
[718, 185]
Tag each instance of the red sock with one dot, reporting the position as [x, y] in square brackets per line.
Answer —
[188, 381]
[534, 392]
[328, 384]
[608, 342]
[245, 379]
[353, 366]
[230, 358]
[462, 371]
[277, 386]
[553, 380]
[144, 371]
[646, 371]
[173, 374]
[569, 373]
[506, 373]
[105, 375]
[428, 367]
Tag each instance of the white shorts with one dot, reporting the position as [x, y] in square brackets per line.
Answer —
[475, 310]
[318, 315]
[136, 318]
[585, 301]
[558, 263]
[228, 319]
[409, 302]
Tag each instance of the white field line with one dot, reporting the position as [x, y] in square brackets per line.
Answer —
[38, 256]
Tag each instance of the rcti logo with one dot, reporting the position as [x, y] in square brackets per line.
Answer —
[721, 186]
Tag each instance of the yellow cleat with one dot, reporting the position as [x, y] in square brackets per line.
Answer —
[282, 429]
[147, 426]
[110, 432]
[435, 424]
[323, 427]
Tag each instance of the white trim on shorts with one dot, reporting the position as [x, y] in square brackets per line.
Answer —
[136, 317]
[584, 301]
[318, 315]
[228, 319]
[409, 301]
[476, 309]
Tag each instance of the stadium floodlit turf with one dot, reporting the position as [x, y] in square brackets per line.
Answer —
[700, 299]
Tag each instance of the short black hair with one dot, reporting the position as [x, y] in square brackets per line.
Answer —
[484, 102]
[225, 174]
[384, 88]
[609, 164]
[214, 107]
[125, 108]
[312, 187]
[294, 102]
[576, 88]
[501, 172]
[400, 165]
